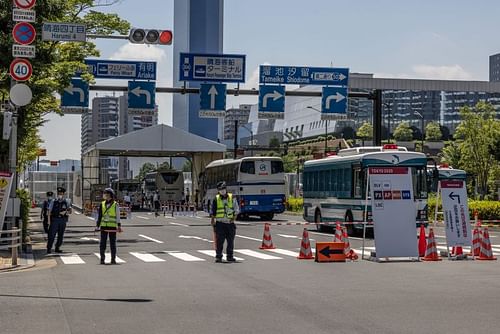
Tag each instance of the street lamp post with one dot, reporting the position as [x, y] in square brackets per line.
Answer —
[421, 128]
[326, 128]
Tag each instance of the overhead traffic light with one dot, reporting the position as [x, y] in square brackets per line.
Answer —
[150, 36]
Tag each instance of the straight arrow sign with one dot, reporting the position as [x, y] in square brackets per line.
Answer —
[213, 94]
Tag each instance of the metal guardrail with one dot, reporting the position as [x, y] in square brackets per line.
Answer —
[14, 242]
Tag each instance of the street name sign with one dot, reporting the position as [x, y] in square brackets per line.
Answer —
[25, 15]
[456, 213]
[212, 100]
[141, 97]
[75, 97]
[271, 101]
[60, 31]
[23, 33]
[212, 67]
[24, 51]
[296, 75]
[334, 103]
[20, 69]
[119, 69]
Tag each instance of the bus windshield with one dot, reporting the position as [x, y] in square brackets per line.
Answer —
[262, 167]
[169, 177]
[419, 178]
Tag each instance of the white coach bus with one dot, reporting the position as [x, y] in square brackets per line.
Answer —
[170, 185]
[257, 182]
[335, 187]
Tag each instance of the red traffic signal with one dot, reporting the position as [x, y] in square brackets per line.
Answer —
[150, 36]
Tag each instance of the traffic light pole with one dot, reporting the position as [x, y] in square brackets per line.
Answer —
[235, 139]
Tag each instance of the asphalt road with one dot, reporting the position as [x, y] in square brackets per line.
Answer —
[169, 283]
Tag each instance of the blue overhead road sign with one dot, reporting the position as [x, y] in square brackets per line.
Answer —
[212, 67]
[271, 101]
[212, 100]
[75, 97]
[118, 69]
[296, 75]
[334, 103]
[141, 97]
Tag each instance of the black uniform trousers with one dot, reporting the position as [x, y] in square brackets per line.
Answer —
[112, 244]
[224, 231]
[57, 226]
[45, 222]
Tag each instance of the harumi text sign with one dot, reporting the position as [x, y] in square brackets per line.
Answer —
[61, 31]
[393, 212]
[456, 213]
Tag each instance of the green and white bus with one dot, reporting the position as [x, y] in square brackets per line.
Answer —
[335, 186]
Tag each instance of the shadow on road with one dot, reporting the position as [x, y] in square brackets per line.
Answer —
[122, 300]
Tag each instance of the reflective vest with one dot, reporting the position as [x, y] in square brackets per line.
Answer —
[224, 211]
[108, 215]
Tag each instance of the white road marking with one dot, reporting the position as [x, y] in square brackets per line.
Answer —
[184, 256]
[71, 259]
[258, 255]
[146, 257]
[179, 224]
[212, 254]
[284, 252]
[77, 213]
[90, 239]
[142, 217]
[108, 258]
[169, 217]
[91, 218]
[194, 237]
[149, 238]
[249, 238]
[289, 236]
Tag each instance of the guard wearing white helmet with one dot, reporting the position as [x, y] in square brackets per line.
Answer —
[108, 222]
[224, 211]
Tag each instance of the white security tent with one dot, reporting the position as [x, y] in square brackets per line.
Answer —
[156, 141]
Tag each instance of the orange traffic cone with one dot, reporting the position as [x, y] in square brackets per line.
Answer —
[338, 233]
[486, 253]
[305, 247]
[431, 253]
[476, 241]
[349, 253]
[422, 242]
[267, 240]
[457, 251]
[33, 204]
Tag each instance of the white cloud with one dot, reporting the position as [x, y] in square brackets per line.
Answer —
[451, 72]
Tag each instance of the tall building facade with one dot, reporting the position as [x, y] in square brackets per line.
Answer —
[495, 67]
[198, 26]
[239, 114]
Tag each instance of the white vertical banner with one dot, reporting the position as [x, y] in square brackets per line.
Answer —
[5, 185]
[456, 213]
[393, 212]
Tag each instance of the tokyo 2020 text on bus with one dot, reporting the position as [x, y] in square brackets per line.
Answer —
[335, 187]
[257, 182]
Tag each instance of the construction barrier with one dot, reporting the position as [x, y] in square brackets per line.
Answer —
[330, 252]
[179, 209]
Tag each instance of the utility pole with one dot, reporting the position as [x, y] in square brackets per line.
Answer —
[377, 117]
[235, 139]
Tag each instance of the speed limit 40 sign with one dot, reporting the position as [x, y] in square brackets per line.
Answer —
[20, 69]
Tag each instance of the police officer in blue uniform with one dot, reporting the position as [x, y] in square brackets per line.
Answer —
[58, 210]
[45, 211]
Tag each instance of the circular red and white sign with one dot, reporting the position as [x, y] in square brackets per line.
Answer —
[23, 33]
[24, 4]
[20, 69]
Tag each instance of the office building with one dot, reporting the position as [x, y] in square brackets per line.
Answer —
[239, 114]
[495, 68]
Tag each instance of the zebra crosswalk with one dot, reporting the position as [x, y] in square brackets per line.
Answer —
[201, 255]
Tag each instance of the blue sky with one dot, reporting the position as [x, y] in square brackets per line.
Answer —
[446, 39]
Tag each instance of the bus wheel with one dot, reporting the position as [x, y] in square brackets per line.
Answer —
[317, 219]
[267, 216]
[349, 225]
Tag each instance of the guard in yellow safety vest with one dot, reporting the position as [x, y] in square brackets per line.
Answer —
[108, 222]
[224, 211]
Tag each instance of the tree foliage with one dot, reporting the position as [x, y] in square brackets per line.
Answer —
[365, 131]
[145, 168]
[433, 131]
[187, 166]
[403, 132]
[55, 62]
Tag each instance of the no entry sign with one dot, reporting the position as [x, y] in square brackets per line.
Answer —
[24, 4]
[23, 33]
[20, 69]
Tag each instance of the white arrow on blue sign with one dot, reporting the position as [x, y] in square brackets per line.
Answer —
[75, 97]
[271, 101]
[334, 103]
[212, 100]
[141, 97]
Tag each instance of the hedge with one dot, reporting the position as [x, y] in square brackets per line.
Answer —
[487, 210]
[295, 204]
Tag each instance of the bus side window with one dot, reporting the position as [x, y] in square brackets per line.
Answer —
[357, 183]
[247, 167]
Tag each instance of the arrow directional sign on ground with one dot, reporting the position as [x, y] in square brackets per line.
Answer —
[334, 103]
[212, 100]
[454, 196]
[75, 97]
[141, 97]
[271, 101]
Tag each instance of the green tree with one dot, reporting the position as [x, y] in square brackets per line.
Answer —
[290, 163]
[274, 142]
[451, 154]
[146, 168]
[403, 132]
[365, 132]
[54, 65]
[477, 136]
[164, 165]
[433, 131]
[187, 166]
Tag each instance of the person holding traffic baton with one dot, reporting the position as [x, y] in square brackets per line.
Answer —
[108, 222]
[224, 211]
